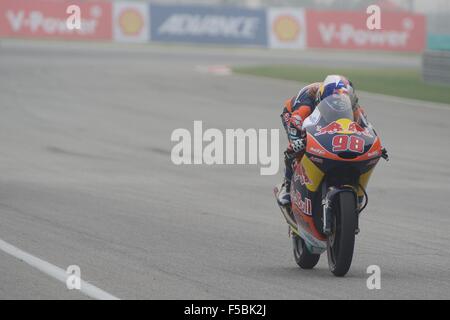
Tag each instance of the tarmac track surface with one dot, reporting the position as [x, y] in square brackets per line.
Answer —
[86, 179]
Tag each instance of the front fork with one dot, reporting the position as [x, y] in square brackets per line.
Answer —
[329, 203]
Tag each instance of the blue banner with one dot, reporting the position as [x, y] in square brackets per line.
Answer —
[203, 24]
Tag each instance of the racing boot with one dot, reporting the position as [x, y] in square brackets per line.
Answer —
[284, 196]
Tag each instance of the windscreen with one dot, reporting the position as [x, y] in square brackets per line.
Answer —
[336, 107]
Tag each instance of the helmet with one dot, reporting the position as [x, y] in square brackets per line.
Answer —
[336, 84]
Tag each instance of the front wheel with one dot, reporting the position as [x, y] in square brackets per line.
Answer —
[303, 258]
[341, 242]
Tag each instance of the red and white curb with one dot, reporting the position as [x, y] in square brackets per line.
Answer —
[53, 271]
[217, 70]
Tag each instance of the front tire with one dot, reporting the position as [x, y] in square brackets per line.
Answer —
[341, 243]
[303, 258]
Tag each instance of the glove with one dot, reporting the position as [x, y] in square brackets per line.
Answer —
[298, 145]
[295, 130]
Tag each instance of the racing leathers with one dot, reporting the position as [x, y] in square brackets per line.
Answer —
[295, 111]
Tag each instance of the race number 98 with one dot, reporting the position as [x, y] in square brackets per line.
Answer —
[348, 143]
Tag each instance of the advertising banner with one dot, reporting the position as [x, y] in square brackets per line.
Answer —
[204, 24]
[438, 41]
[286, 28]
[348, 30]
[131, 22]
[47, 19]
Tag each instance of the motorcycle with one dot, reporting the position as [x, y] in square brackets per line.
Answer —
[328, 188]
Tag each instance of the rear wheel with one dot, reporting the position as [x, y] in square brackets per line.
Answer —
[303, 258]
[341, 243]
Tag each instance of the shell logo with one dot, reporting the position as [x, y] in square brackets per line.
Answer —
[286, 28]
[131, 21]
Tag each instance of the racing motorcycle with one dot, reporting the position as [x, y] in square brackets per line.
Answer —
[328, 188]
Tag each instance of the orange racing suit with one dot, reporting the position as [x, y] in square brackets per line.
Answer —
[295, 111]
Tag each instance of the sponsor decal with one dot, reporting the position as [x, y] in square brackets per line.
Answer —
[343, 126]
[355, 128]
[131, 22]
[302, 177]
[201, 24]
[316, 160]
[348, 30]
[208, 25]
[48, 19]
[286, 28]
[331, 128]
[317, 151]
[303, 205]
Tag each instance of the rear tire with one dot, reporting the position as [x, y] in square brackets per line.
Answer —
[303, 258]
[341, 243]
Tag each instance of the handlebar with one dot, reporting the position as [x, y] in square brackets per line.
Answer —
[384, 154]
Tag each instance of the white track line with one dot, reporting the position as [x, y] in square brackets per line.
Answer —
[54, 271]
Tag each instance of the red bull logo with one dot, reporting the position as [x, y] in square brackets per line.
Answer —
[302, 177]
[356, 128]
[331, 128]
[304, 206]
[343, 126]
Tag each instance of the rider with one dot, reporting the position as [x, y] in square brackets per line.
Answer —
[297, 109]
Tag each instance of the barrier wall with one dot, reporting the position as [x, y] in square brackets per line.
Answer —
[436, 66]
[46, 19]
[348, 30]
[131, 22]
[202, 24]
[287, 28]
